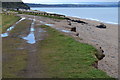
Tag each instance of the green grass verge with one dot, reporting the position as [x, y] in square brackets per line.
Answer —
[53, 17]
[7, 21]
[67, 58]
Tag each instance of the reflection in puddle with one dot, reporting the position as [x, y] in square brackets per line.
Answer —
[31, 37]
[30, 18]
[32, 29]
[20, 20]
[62, 30]
[4, 35]
[66, 31]
[46, 24]
[49, 24]
[42, 22]
[9, 29]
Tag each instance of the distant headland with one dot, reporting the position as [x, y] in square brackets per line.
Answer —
[87, 4]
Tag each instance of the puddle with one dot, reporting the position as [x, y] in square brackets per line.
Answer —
[4, 35]
[34, 20]
[42, 22]
[49, 24]
[32, 29]
[20, 20]
[9, 29]
[30, 18]
[66, 31]
[31, 37]
[32, 26]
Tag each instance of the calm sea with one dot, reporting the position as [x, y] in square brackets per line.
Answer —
[107, 14]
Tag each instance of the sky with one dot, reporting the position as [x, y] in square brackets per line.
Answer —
[65, 1]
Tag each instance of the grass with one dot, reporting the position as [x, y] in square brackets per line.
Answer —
[15, 58]
[53, 17]
[66, 58]
[7, 21]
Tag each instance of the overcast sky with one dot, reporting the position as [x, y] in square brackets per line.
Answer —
[66, 1]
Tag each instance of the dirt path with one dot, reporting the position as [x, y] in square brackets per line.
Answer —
[23, 62]
[34, 66]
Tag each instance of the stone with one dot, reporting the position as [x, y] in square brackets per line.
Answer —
[100, 54]
[77, 34]
[95, 64]
[73, 29]
[101, 25]
[69, 23]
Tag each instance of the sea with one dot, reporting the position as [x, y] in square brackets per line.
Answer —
[102, 14]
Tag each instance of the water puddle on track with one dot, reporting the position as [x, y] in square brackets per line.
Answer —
[66, 31]
[9, 29]
[62, 30]
[4, 35]
[42, 22]
[51, 25]
[31, 37]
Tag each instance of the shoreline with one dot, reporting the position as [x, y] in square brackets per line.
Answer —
[94, 19]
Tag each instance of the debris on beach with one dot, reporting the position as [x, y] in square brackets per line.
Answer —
[101, 25]
[69, 23]
[100, 55]
[77, 34]
[78, 21]
[73, 29]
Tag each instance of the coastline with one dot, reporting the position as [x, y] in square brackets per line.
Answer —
[102, 20]
[94, 20]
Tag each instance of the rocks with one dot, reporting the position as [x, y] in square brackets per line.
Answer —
[100, 54]
[78, 21]
[95, 64]
[69, 23]
[101, 25]
[73, 29]
[77, 34]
